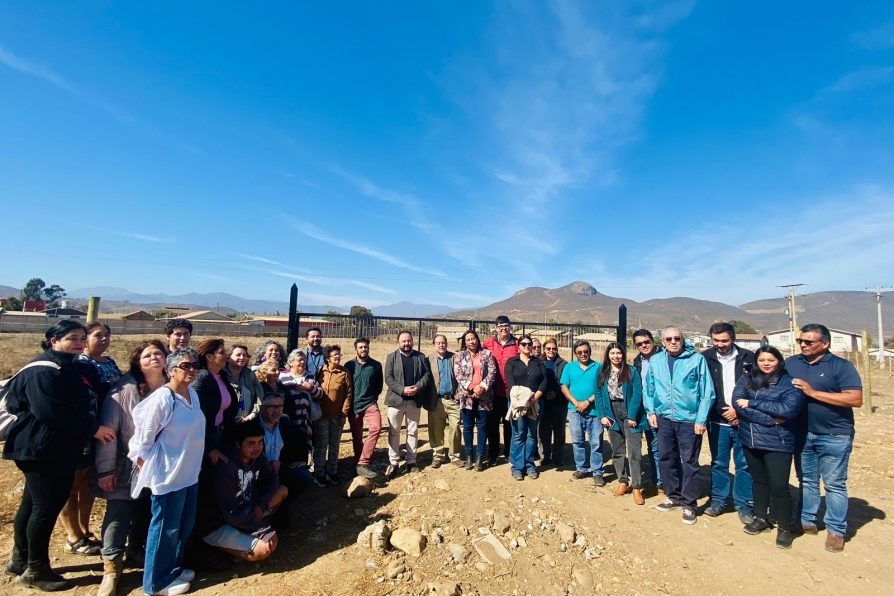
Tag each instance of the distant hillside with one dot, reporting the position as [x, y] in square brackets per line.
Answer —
[410, 309]
[7, 291]
[581, 302]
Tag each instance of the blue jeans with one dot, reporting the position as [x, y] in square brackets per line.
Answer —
[523, 444]
[173, 518]
[474, 418]
[581, 427]
[723, 439]
[652, 444]
[826, 457]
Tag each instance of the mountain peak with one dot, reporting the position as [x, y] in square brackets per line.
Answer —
[580, 287]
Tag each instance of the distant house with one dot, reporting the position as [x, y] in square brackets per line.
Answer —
[698, 340]
[888, 353]
[66, 313]
[138, 315]
[842, 341]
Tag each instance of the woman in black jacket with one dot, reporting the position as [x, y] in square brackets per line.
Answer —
[767, 405]
[526, 371]
[55, 417]
[217, 398]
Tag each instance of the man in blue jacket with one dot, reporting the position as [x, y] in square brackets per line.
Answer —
[679, 397]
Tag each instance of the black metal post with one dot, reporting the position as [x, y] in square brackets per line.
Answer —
[420, 334]
[622, 324]
[292, 342]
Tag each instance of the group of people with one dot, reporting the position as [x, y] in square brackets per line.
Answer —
[206, 439]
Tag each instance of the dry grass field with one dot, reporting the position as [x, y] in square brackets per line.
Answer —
[628, 549]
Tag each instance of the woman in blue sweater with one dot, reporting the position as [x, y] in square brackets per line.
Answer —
[767, 405]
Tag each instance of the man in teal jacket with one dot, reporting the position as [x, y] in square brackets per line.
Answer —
[679, 397]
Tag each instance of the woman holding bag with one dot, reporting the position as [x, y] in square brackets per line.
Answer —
[167, 447]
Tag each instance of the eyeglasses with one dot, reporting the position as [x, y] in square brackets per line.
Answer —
[188, 366]
[806, 342]
[673, 339]
[524, 344]
[272, 407]
[645, 342]
[550, 349]
[582, 352]
[503, 326]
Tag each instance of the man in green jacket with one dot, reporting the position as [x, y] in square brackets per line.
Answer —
[368, 383]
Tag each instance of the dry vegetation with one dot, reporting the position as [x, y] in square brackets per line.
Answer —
[628, 549]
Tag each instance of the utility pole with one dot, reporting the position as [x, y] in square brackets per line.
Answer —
[792, 314]
[881, 333]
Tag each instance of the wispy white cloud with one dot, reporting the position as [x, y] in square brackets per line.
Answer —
[264, 260]
[371, 286]
[81, 94]
[340, 300]
[860, 79]
[131, 235]
[316, 233]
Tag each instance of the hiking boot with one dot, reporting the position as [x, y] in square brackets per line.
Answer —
[745, 516]
[15, 568]
[638, 496]
[757, 526]
[111, 575]
[365, 472]
[436, 463]
[667, 505]
[784, 539]
[834, 543]
[714, 510]
[623, 489]
[480, 465]
[689, 516]
[809, 530]
[43, 578]
[599, 481]
[578, 475]
[470, 463]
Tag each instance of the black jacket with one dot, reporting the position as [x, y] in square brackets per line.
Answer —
[55, 410]
[744, 362]
[209, 401]
[533, 376]
[553, 396]
[757, 423]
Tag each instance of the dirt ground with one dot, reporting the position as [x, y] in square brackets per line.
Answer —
[620, 547]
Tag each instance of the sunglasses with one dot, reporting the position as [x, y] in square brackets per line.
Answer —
[188, 366]
[582, 352]
[645, 342]
[806, 342]
[550, 348]
[675, 338]
[524, 343]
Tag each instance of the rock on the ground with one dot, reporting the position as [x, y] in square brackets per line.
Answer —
[443, 589]
[458, 551]
[359, 487]
[408, 540]
[375, 536]
[566, 532]
[442, 485]
[491, 549]
[482, 567]
[501, 523]
[583, 578]
[581, 542]
[395, 568]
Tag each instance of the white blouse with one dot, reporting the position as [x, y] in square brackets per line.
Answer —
[169, 436]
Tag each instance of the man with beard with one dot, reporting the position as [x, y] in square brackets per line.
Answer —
[314, 351]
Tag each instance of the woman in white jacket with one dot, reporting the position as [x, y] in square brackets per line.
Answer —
[167, 447]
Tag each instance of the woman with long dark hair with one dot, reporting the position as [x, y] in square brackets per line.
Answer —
[244, 382]
[619, 405]
[527, 371]
[113, 467]
[767, 405]
[474, 368]
[216, 395]
[55, 418]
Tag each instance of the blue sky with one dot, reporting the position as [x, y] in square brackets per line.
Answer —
[448, 152]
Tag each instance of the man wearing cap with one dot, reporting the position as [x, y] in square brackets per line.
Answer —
[503, 346]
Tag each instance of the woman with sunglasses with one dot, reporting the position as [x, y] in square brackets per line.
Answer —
[216, 396]
[167, 447]
[619, 405]
[526, 371]
[768, 405]
[475, 369]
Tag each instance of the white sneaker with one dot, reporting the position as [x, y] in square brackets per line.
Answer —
[176, 587]
[186, 575]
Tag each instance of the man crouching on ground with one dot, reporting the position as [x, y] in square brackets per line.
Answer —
[247, 493]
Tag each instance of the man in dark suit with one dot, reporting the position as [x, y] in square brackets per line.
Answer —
[409, 381]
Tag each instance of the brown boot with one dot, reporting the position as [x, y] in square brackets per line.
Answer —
[623, 489]
[834, 543]
[638, 496]
[111, 574]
